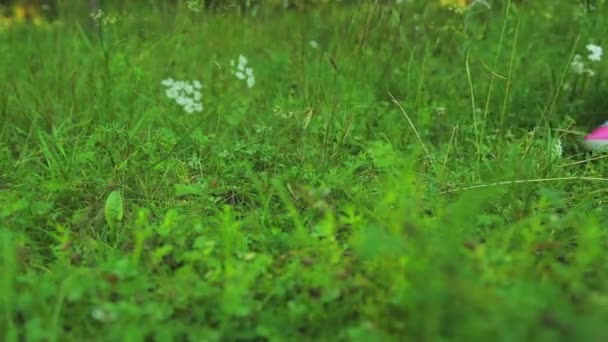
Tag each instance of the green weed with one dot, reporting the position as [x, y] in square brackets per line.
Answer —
[415, 173]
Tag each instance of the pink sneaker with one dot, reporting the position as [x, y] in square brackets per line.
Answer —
[597, 140]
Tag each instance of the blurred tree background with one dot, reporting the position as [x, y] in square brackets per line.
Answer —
[38, 11]
[35, 10]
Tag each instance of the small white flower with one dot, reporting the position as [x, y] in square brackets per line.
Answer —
[185, 93]
[103, 314]
[194, 5]
[189, 109]
[102, 18]
[182, 101]
[595, 52]
[250, 81]
[171, 93]
[579, 68]
[557, 149]
[440, 111]
[313, 44]
[242, 71]
[577, 65]
[97, 15]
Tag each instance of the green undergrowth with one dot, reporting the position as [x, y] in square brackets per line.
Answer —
[397, 172]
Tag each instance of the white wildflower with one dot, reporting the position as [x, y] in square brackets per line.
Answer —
[97, 15]
[103, 314]
[194, 5]
[557, 149]
[285, 114]
[171, 93]
[185, 93]
[595, 52]
[578, 66]
[250, 80]
[440, 111]
[313, 44]
[102, 18]
[242, 72]
[183, 101]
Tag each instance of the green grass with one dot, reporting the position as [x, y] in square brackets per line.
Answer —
[398, 182]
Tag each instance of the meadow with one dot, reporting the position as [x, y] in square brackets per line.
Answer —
[372, 171]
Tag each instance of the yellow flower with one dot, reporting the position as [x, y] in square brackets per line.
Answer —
[20, 14]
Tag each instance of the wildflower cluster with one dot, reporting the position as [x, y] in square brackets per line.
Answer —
[102, 18]
[194, 5]
[557, 150]
[242, 72]
[187, 94]
[578, 63]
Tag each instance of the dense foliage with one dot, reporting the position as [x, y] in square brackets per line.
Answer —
[373, 171]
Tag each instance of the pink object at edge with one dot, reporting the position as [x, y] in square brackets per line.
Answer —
[600, 133]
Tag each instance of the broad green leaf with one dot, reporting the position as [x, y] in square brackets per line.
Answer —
[114, 208]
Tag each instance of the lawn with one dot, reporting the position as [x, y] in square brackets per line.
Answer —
[373, 171]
